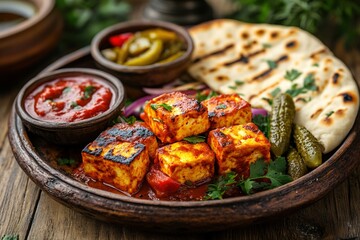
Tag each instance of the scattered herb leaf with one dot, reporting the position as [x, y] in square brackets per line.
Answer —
[309, 84]
[73, 104]
[128, 101]
[275, 92]
[10, 237]
[219, 188]
[268, 100]
[329, 114]
[274, 172]
[66, 161]
[164, 105]
[201, 97]
[266, 45]
[88, 91]
[238, 83]
[66, 90]
[315, 64]
[263, 123]
[292, 74]
[195, 139]
[233, 87]
[129, 120]
[221, 106]
[272, 64]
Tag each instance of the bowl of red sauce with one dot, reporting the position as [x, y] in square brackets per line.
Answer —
[70, 106]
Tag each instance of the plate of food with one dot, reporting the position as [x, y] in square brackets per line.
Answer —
[267, 124]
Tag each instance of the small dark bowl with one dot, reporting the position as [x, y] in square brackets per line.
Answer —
[142, 76]
[67, 133]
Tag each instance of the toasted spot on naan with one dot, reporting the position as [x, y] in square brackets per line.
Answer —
[222, 78]
[340, 113]
[274, 35]
[327, 121]
[316, 113]
[260, 32]
[348, 97]
[218, 52]
[291, 44]
[244, 35]
[336, 78]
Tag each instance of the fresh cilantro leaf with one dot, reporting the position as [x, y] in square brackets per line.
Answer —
[195, 139]
[272, 64]
[257, 169]
[232, 87]
[129, 120]
[275, 92]
[263, 123]
[223, 184]
[292, 74]
[309, 82]
[66, 90]
[266, 45]
[66, 161]
[329, 114]
[201, 97]
[315, 65]
[221, 106]
[88, 91]
[164, 105]
[238, 83]
[268, 100]
[73, 104]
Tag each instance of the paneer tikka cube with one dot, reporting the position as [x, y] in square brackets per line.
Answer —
[137, 132]
[174, 116]
[120, 164]
[186, 162]
[237, 147]
[227, 110]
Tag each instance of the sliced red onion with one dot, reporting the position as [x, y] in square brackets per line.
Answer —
[135, 107]
[259, 111]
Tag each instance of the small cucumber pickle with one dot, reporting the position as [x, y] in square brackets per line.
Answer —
[151, 46]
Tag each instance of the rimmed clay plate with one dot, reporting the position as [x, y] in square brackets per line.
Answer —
[36, 159]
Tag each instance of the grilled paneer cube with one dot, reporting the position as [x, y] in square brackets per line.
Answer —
[120, 164]
[227, 110]
[138, 132]
[174, 116]
[238, 146]
[183, 161]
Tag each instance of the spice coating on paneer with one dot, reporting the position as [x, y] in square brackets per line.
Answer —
[227, 110]
[137, 132]
[174, 116]
[120, 164]
[183, 161]
[238, 146]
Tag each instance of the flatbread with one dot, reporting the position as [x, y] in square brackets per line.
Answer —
[252, 60]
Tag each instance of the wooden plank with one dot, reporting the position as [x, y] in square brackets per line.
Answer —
[18, 194]
[6, 101]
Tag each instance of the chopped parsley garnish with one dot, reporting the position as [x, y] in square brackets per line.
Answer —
[74, 104]
[195, 139]
[268, 100]
[66, 161]
[221, 106]
[309, 84]
[66, 90]
[263, 123]
[266, 45]
[329, 114]
[238, 83]
[315, 64]
[259, 171]
[272, 64]
[201, 97]
[88, 91]
[233, 87]
[121, 119]
[275, 92]
[164, 105]
[223, 184]
[292, 74]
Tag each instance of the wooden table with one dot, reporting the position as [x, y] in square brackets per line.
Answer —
[28, 212]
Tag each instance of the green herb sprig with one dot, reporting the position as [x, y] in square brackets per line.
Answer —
[195, 139]
[167, 107]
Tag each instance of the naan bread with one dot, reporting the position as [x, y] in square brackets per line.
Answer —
[252, 60]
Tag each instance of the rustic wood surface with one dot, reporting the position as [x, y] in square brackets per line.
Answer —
[28, 212]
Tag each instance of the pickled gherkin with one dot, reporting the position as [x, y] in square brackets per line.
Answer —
[296, 165]
[308, 146]
[281, 120]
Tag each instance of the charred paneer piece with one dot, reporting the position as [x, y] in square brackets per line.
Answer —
[120, 164]
[137, 132]
[238, 146]
[186, 162]
[227, 110]
[174, 116]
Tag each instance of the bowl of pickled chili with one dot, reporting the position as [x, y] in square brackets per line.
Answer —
[143, 53]
[70, 106]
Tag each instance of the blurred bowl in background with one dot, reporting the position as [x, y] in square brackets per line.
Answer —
[28, 30]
